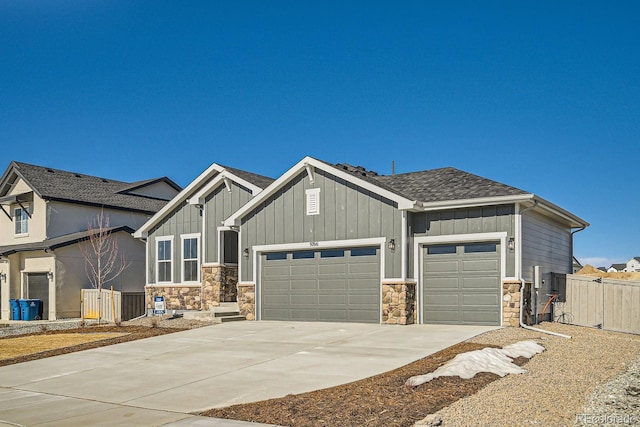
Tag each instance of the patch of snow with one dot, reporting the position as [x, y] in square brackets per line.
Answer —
[495, 360]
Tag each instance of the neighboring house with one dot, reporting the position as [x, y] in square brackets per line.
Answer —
[192, 257]
[633, 264]
[336, 243]
[577, 265]
[616, 268]
[44, 218]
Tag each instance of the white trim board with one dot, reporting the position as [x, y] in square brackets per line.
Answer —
[179, 198]
[304, 165]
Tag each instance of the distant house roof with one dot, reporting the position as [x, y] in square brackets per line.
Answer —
[618, 267]
[56, 184]
[57, 242]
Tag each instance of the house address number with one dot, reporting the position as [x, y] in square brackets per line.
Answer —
[314, 244]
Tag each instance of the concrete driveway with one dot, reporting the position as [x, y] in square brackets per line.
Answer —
[158, 380]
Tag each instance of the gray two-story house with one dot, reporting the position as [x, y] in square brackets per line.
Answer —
[44, 221]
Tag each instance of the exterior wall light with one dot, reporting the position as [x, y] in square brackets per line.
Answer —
[392, 244]
[511, 244]
[245, 252]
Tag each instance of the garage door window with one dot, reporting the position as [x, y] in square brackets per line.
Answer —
[275, 256]
[303, 254]
[441, 249]
[363, 252]
[479, 247]
[332, 254]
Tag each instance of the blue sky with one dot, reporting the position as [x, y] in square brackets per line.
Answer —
[543, 95]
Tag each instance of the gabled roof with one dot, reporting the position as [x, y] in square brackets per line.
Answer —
[206, 182]
[57, 242]
[141, 184]
[310, 164]
[56, 184]
[425, 190]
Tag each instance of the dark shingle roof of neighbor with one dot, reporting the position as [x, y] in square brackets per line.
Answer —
[57, 242]
[255, 179]
[444, 184]
[618, 266]
[56, 184]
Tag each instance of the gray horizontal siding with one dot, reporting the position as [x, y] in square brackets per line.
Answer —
[548, 244]
[486, 219]
[346, 212]
[219, 205]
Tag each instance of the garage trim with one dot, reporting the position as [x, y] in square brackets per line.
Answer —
[420, 242]
[258, 250]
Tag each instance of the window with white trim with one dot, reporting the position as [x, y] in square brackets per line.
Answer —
[190, 257]
[164, 259]
[21, 220]
[313, 201]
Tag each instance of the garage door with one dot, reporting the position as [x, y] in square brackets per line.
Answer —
[335, 285]
[461, 284]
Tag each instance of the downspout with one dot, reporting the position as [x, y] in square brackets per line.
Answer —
[572, 233]
[522, 284]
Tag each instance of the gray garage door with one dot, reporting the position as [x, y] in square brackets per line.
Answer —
[335, 285]
[461, 284]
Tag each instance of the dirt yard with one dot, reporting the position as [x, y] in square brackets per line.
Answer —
[559, 382]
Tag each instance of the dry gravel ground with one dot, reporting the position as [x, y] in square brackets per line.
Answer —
[559, 381]
[591, 379]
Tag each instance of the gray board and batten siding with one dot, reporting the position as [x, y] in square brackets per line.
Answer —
[187, 219]
[184, 219]
[347, 212]
[485, 219]
[219, 205]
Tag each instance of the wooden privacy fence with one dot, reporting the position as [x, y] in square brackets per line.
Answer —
[604, 303]
[101, 305]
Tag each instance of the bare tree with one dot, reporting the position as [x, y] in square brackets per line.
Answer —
[103, 261]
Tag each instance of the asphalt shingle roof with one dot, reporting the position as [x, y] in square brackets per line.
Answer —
[257, 180]
[437, 185]
[62, 185]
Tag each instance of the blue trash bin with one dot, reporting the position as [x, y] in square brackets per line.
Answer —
[29, 308]
[15, 310]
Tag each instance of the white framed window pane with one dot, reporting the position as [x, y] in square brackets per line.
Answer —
[164, 271]
[191, 271]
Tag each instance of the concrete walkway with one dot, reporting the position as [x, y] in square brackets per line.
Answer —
[161, 380]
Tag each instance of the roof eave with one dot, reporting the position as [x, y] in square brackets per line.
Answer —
[143, 231]
[235, 219]
[573, 220]
[199, 197]
[469, 203]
